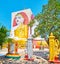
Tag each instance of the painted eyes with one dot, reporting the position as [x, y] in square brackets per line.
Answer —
[18, 17]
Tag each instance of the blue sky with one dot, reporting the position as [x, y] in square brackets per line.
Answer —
[8, 6]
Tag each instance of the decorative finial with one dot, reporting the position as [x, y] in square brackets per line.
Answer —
[51, 34]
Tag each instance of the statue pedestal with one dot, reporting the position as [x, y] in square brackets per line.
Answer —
[13, 55]
[29, 59]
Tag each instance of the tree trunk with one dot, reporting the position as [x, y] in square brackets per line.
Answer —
[1, 46]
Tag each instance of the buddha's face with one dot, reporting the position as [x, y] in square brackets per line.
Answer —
[19, 19]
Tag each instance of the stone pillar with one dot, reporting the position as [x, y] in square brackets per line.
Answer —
[29, 48]
[51, 47]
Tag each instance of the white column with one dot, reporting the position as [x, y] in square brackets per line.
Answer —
[29, 47]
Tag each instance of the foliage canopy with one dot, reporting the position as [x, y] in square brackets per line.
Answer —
[48, 20]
